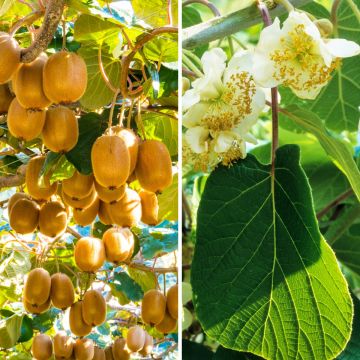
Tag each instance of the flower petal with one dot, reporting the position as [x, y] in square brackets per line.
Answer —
[241, 61]
[214, 60]
[342, 48]
[196, 138]
[224, 141]
[194, 115]
[190, 98]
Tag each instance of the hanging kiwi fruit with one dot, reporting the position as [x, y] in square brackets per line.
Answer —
[119, 244]
[24, 216]
[77, 324]
[120, 350]
[93, 308]
[79, 185]
[62, 292]
[86, 216]
[153, 307]
[52, 219]
[5, 98]
[84, 349]
[149, 207]
[63, 345]
[110, 195]
[89, 254]
[42, 347]
[37, 287]
[135, 338]
[10, 57]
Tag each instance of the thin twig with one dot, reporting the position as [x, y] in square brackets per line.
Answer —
[334, 203]
[211, 6]
[73, 232]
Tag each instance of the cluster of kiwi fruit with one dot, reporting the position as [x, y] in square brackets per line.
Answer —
[42, 88]
[159, 310]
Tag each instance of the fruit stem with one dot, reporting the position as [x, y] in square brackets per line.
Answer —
[140, 123]
[103, 72]
[26, 20]
[128, 122]
[112, 109]
[64, 35]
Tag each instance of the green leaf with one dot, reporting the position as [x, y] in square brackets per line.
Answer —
[26, 329]
[168, 201]
[146, 279]
[163, 48]
[10, 330]
[45, 321]
[91, 126]
[194, 351]
[261, 272]
[57, 166]
[14, 263]
[338, 103]
[227, 354]
[152, 12]
[344, 237]
[97, 93]
[352, 349]
[124, 283]
[340, 152]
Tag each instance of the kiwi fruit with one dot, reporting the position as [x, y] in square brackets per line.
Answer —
[10, 57]
[39, 191]
[65, 77]
[131, 141]
[119, 244]
[84, 217]
[148, 345]
[25, 124]
[89, 254]
[93, 308]
[42, 347]
[37, 309]
[28, 84]
[167, 324]
[135, 338]
[110, 195]
[110, 160]
[153, 167]
[99, 354]
[5, 99]
[119, 350]
[37, 287]
[62, 292]
[14, 198]
[52, 219]
[109, 353]
[77, 324]
[84, 349]
[127, 211]
[24, 216]
[104, 214]
[153, 307]
[61, 131]
[172, 301]
[78, 186]
[77, 203]
[63, 345]
[149, 207]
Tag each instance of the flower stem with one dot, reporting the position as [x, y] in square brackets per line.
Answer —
[286, 4]
[190, 65]
[354, 8]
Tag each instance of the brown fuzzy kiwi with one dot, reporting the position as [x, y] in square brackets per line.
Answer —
[104, 214]
[84, 349]
[28, 84]
[127, 211]
[37, 287]
[110, 160]
[5, 99]
[25, 124]
[61, 130]
[110, 195]
[24, 216]
[79, 203]
[10, 57]
[153, 307]
[109, 353]
[62, 292]
[37, 309]
[39, 191]
[167, 325]
[149, 207]
[65, 77]
[153, 168]
[148, 345]
[52, 219]
[14, 198]
[42, 347]
[79, 185]
[63, 345]
[89, 254]
[119, 244]
[94, 308]
[119, 350]
[99, 354]
[135, 338]
[132, 143]
[172, 301]
[77, 325]
[84, 217]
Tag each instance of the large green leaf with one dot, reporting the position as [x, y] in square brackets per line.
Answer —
[344, 237]
[227, 354]
[14, 262]
[262, 273]
[146, 279]
[124, 283]
[154, 13]
[10, 330]
[338, 103]
[168, 201]
[352, 350]
[162, 49]
[340, 152]
[97, 93]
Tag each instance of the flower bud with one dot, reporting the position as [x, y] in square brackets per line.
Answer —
[185, 84]
[325, 27]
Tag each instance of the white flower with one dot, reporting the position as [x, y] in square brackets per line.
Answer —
[297, 56]
[221, 107]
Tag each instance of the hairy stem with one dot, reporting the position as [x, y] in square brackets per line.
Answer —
[334, 203]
